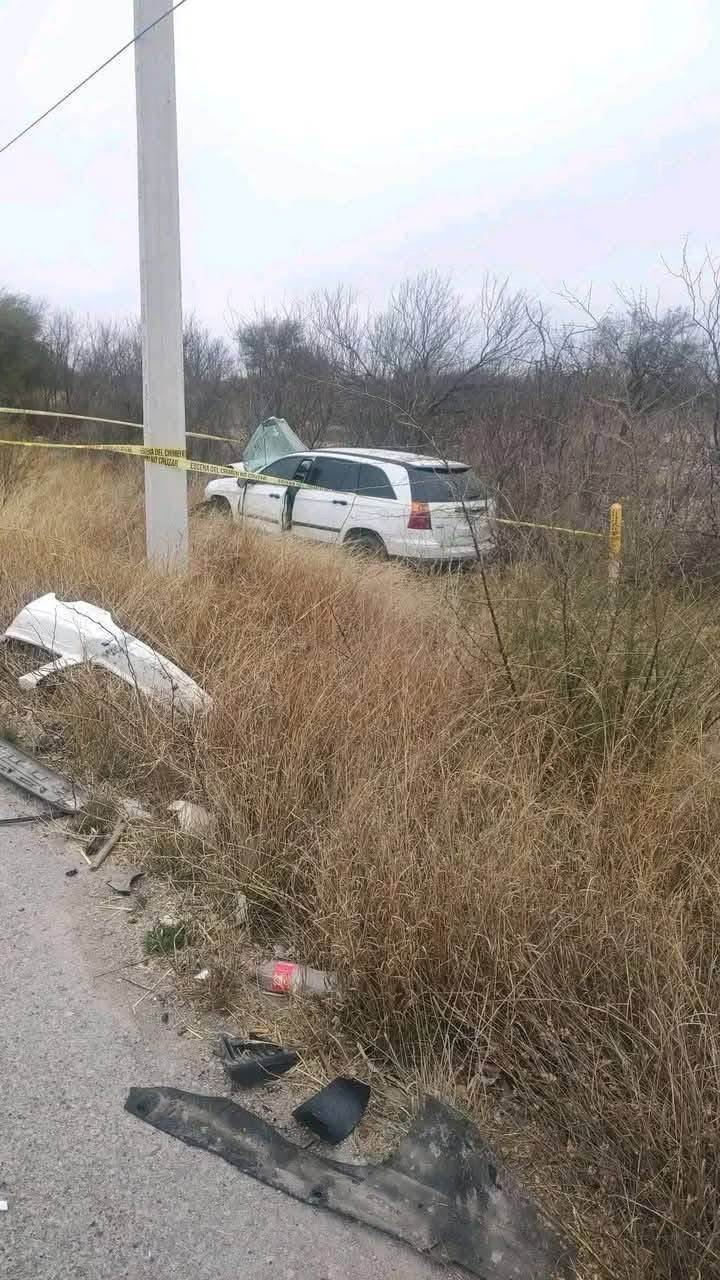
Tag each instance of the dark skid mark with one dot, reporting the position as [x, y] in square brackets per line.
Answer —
[442, 1191]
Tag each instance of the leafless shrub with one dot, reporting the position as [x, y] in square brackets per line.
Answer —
[417, 360]
[286, 373]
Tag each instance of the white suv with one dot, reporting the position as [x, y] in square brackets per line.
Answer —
[383, 500]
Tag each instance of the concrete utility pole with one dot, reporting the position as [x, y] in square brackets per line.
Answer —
[166, 520]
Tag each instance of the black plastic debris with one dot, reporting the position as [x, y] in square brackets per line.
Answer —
[336, 1110]
[30, 817]
[443, 1191]
[124, 879]
[251, 1062]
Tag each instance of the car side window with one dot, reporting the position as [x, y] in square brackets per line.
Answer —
[340, 474]
[373, 483]
[282, 468]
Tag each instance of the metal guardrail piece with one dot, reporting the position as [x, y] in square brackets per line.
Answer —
[29, 774]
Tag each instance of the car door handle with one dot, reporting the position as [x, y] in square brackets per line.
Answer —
[339, 502]
[274, 495]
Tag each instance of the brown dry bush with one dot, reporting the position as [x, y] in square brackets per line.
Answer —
[529, 878]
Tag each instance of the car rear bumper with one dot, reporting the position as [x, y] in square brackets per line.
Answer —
[431, 550]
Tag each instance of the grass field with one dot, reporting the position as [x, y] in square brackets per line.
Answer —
[512, 864]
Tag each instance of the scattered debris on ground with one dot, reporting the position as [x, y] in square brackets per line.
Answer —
[108, 844]
[192, 819]
[32, 776]
[77, 632]
[280, 977]
[124, 880]
[253, 1061]
[367, 1193]
[25, 818]
[442, 1191]
[336, 1110]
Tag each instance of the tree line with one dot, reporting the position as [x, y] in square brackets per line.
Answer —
[558, 414]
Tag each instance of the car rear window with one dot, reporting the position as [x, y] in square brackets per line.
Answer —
[373, 483]
[446, 485]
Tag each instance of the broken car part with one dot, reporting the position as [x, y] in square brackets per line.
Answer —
[251, 1062]
[124, 879]
[336, 1110]
[272, 439]
[40, 781]
[191, 818]
[77, 632]
[442, 1191]
[283, 976]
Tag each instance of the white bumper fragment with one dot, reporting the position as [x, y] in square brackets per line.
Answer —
[77, 632]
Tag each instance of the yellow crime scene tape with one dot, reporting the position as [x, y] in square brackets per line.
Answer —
[164, 456]
[556, 528]
[111, 422]
[178, 459]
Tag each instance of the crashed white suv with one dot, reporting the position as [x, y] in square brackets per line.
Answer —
[382, 500]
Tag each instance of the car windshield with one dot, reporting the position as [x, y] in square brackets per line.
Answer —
[445, 484]
[272, 439]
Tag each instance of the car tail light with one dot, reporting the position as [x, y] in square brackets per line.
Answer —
[419, 516]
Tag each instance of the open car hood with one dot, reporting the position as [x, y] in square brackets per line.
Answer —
[272, 439]
[77, 632]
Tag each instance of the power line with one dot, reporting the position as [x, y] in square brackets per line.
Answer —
[87, 79]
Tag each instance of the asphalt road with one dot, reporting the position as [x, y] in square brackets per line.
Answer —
[92, 1193]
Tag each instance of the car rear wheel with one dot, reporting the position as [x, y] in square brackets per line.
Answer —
[363, 542]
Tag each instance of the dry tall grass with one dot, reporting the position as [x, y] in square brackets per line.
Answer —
[529, 878]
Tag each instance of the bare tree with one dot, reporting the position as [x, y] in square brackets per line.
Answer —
[109, 370]
[702, 285]
[212, 402]
[62, 338]
[415, 363]
[286, 372]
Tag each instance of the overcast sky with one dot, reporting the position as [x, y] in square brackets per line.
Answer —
[325, 142]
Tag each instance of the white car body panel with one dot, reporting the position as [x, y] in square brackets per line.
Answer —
[320, 514]
[77, 632]
[262, 504]
[226, 489]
